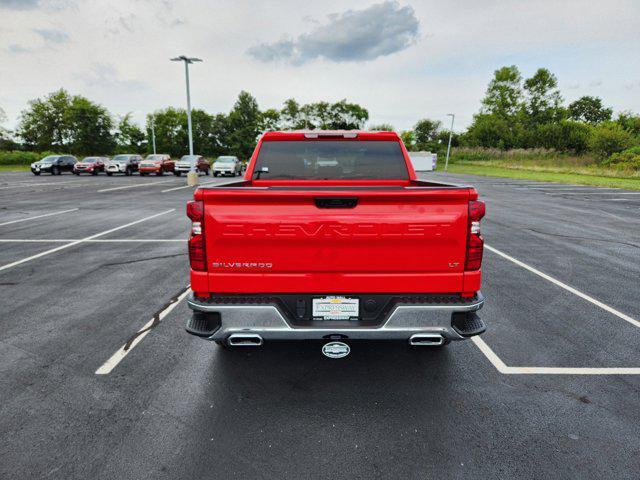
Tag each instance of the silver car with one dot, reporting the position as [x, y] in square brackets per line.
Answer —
[227, 165]
[126, 163]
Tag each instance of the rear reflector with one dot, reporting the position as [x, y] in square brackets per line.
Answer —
[197, 251]
[475, 243]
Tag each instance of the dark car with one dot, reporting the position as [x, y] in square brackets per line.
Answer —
[124, 163]
[54, 164]
[184, 165]
[92, 165]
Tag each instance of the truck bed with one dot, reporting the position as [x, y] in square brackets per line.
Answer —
[334, 237]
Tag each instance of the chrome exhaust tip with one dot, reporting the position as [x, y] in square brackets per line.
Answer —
[245, 340]
[426, 340]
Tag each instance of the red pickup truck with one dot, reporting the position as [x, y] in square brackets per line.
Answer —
[332, 237]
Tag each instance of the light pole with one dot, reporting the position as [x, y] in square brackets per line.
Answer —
[153, 133]
[192, 176]
[446, 163]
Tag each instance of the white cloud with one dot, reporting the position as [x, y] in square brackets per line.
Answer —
[52, 35]
[354, 35]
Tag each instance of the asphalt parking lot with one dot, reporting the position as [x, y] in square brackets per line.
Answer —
[91, 264]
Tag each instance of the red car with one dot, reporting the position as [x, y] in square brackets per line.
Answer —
[156, 163]
[332, 237]
[92, 165]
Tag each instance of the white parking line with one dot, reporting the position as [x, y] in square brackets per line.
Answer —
[86, 239]
[599, 193]
[117, 357]
[137, 185]
[186, 186]
[506, 370]
[557, 282]
[100, 240]
[24, 185]
[38, 216]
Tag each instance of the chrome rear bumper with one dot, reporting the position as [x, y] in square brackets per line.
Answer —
[268, 322]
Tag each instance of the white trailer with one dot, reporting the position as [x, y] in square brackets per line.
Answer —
[423, 161]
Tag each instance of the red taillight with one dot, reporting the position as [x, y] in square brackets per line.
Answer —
[195, 211]
[197, 251]
[475, 243]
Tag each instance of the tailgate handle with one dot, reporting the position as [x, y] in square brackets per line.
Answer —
[336, 202]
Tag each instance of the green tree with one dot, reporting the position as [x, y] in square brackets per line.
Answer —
[219, 135]
[3, 118]
[291, 115]
[608, 138]
[6, 142]
[564, 136]
[425, 135]
[590, 110]
[170, 127]
[504, 93]
[129, 137]
[172, 134]
[43, 125]
[630, 122]
[64, 122]
[408, 140]
[491, 131]
[543, 99]
[382, 127]
[347, 116]
[90, 127]
[244, 125]
[270, 120]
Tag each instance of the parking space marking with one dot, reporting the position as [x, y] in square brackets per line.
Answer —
[95, 240]
[37, 184]
[117, 357]
[506, 370]
[137, 185]
[597, 193]
[39, 216]
[86, 239]
[186, 186]
[557, 282]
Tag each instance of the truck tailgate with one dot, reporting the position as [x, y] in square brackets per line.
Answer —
[382, 240]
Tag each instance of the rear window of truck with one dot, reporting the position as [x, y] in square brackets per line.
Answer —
[330, 160]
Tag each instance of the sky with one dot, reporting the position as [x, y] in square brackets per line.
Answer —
[403, 60]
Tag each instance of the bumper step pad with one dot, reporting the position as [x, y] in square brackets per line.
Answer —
[203, 324]
[468, 324]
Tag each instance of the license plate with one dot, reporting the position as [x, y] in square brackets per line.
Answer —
[336, 308]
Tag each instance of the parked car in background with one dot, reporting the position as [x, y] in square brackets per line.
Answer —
[124, 163]
[156, 163]
[227, 165]
[184, 165]
[92, 165]
[54, 164]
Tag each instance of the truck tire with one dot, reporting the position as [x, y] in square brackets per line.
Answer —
[215, 174]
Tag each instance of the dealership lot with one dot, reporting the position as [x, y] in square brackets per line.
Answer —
[89, 265]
